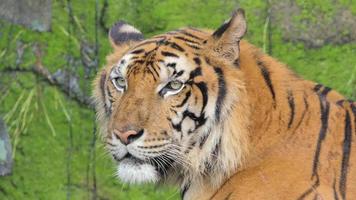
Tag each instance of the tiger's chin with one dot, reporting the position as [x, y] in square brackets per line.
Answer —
[134, 171]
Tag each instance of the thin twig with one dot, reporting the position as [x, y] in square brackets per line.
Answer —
[102, 16]
[92, 164]
[269, 27]
[70, 128]
[93, 144]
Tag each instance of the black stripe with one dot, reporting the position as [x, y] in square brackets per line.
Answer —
[353, 108]
[138, 51]
[187, 95]
[324, 118]
[180, 73]
[218, 33]
[186, 40]
[175, 112]
[197, 60]
[309, 191]
[172, 65]
[196, 72]
[184, 190]
[292, 108]
[169, 54]
[341, 102]
[306, 108]
[135, 62]
[109, 93]
[150, 71]
[317, 87]
[325, 91]
[190, 35]
[266, 75]
[199, 120]
[345, 155]
[336, 197]
[177, 127]
[132, 70]
[237, 63]
[216, 150]
[153, 69]
[221, 92]
[204, 91]
[153, 76]
[203, 139]
[349, 102]
[177, 47]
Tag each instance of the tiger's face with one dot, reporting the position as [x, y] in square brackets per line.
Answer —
[158, 100]
[161, 101]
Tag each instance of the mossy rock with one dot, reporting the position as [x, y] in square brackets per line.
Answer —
[315, 23]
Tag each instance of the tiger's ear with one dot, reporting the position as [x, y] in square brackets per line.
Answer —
[225, 40]
[122, 34]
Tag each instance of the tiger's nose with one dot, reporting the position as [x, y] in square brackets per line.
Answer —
[129, 136]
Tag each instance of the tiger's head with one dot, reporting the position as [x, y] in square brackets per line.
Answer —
[165, 104]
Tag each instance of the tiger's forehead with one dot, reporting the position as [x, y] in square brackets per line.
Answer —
[163, 56]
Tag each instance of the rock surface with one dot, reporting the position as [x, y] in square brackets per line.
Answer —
[5, 150]
[34, 14]
[312, 25]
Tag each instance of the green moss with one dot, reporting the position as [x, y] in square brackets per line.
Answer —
[330, 65]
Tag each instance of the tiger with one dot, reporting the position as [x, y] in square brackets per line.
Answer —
[211, 114]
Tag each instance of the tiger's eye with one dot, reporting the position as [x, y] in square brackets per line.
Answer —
[120, 82]
[175, 85]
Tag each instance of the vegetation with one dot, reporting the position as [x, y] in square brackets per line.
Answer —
[57, 153]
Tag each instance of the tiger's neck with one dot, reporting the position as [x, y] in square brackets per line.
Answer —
[274, 92]
[259, 111]
[253, 117]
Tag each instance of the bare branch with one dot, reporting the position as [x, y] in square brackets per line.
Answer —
[57, 79]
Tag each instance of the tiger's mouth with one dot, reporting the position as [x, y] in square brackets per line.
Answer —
[159, 164]
[129, 156]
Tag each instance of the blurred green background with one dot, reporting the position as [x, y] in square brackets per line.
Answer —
[57, 153]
